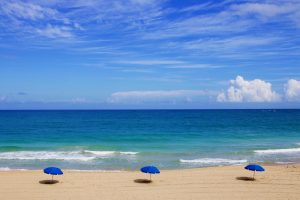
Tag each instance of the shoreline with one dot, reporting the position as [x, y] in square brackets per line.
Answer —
[6, 169]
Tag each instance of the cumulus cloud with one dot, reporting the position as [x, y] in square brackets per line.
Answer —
[241, 90]
[292, 90]
[156, 95]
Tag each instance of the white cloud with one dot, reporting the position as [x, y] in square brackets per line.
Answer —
[150, 62]
[196, 7]
[236, 17]
[217, 44]
[170, 64]
[55, 31]
[292, 90]
[26, 10]
[33, 18]
[265, 9]
[156, 96]
[242, 90]
[79, 100]
[194, 66]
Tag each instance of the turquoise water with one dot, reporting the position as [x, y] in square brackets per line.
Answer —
[118, 140]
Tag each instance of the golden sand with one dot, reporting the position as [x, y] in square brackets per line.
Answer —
[278, 182]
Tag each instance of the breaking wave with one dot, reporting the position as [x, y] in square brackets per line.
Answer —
[278, 151]
[85, 155]
[211, 161]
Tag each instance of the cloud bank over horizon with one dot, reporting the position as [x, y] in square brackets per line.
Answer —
[171, 96]
[240, 90]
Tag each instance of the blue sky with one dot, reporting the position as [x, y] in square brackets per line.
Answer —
[86, 54]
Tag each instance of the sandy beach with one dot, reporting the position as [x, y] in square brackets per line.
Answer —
[278, 182]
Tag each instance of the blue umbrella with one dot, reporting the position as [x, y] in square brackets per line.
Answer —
[150, 170]
[254, 168]
[53, 171]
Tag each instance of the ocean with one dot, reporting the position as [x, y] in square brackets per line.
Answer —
[130, 139]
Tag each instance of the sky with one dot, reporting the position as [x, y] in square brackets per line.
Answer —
[149, 54]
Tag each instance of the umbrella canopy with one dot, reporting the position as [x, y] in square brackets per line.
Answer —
[150, 170]
[255, 167]
[53, 171]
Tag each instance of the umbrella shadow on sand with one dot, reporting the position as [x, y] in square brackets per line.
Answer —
[48, 182]
[149, 170]
[252, 167]
[145, 181]
[245, 178]
[52, 171]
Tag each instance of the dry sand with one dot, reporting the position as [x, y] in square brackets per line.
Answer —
[278, 182]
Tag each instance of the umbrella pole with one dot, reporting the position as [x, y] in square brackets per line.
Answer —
[150, 177]
[52, 178]
[253, 174]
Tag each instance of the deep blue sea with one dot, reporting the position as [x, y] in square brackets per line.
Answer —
[129, 139]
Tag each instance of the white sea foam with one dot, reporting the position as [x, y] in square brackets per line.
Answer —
[213, 161]
[85, 155]
[45, 155]
[101, 153]
[5, 169]
[284, 163]
[110, 153]
[9, 169]
[128, 153]
[278, 151]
